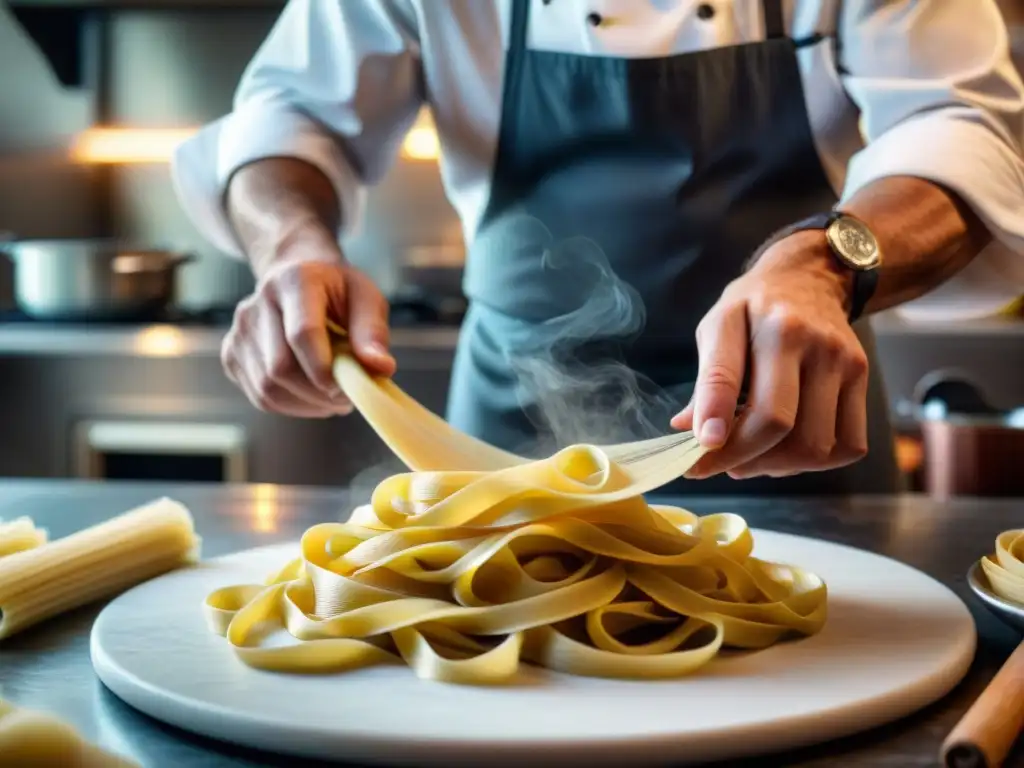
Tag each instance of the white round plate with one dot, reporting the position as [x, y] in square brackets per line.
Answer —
[895, 641]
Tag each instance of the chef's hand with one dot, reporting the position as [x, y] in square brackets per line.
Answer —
[278, 351]
[806, 408]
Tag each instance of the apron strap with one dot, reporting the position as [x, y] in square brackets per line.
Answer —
[774, 20]
[516, 48]
[520, 22]
[513, 67]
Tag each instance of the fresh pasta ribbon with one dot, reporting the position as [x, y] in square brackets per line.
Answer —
[479, 559]
[31, 739]
[20, 535]
[559, 562]
[1005, 568]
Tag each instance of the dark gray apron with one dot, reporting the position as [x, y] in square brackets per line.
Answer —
[627, 194]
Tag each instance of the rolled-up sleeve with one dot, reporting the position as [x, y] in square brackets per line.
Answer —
[941, 100]
[336, 83]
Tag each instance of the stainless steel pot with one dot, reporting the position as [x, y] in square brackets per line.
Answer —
[86, 279]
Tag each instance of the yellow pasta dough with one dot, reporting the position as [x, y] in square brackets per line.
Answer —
[1005, 568]
[95, 563]
[31, 739]
[479, 559]
[19, 535]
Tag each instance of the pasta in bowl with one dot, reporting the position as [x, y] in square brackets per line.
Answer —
[464, 575]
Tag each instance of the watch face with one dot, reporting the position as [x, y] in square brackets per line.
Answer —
[854, 243]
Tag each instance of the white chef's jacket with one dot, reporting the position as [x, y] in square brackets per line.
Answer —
[928, 84]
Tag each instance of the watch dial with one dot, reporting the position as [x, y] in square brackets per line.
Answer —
[855, 243]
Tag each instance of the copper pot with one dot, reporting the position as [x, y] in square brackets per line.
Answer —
[974, 457]
[970, 448]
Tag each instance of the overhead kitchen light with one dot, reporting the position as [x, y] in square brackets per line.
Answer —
[128, 145]
[123, 146]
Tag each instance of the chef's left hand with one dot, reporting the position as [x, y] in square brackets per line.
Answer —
[806, 406]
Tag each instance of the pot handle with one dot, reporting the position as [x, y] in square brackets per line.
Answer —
[127, 263]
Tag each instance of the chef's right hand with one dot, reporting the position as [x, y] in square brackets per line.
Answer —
[278, 351]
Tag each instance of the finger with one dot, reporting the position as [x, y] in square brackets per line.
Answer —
[772, 408]
[268, 395]
[227, 356]
[280, 365]
[368, 324]
[684, 419]
[810, 445]
[852, 422]
[722, 343]
[304, 321]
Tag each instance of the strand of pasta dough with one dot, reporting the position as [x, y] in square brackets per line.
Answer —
[480, 559]
[19, 535]
[31, 739]
[95, 563]
[1005, 569]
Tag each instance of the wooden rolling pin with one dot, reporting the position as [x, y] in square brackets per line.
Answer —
[986, 734]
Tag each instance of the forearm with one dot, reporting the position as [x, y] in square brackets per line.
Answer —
[925, 233]
[277, 202]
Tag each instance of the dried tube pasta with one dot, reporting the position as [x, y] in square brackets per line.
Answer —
[19, 535]
[98, 562]
[31, 739]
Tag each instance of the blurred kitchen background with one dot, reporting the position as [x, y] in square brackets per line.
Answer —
[95, 93]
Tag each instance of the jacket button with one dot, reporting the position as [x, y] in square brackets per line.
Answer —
[594, 19]
[705, 11]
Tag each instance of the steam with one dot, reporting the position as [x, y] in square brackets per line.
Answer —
[573, 378]
[574, 382]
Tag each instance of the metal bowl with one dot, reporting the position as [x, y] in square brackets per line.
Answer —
[1011, 613]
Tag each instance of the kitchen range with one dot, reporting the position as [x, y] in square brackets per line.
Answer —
[121, 399]
[96, 399]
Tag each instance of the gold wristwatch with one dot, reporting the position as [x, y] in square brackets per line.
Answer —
[854, 247]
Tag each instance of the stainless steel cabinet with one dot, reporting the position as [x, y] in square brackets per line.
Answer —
[62, 414]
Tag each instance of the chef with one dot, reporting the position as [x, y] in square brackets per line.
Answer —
[764, 174]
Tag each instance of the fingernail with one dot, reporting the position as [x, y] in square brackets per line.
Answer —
[377, 349]
[713, 433]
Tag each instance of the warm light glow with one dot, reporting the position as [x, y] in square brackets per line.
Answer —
[421, 142]
[160, 341]
[265, 510]
[128, 145]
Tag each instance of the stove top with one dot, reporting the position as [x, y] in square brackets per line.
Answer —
[206, 318]
[407, 311]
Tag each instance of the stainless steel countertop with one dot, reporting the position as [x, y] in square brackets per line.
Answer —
[48, 667]
[22, 338]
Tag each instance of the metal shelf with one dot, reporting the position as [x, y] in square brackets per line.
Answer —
[60, 28]
[145, 5]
